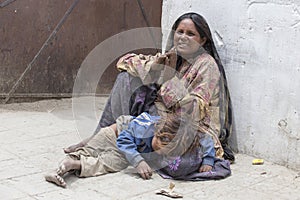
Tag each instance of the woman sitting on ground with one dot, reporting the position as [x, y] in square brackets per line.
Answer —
[193, 80]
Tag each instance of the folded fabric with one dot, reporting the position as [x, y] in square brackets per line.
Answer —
[220, 170]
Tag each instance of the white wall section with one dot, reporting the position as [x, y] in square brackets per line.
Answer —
[259, 44]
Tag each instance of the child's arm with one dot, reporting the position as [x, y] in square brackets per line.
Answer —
[208, 150]
[137, 134]
[126, 143]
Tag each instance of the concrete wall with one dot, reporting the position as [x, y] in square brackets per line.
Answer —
[259, 43]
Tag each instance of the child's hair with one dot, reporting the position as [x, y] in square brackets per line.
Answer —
[178, 134]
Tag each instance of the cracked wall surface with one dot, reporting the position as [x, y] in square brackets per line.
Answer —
[259, 43]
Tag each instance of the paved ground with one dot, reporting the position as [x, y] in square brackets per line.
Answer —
[32, 136]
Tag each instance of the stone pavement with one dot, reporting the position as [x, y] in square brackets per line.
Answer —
[32, 136]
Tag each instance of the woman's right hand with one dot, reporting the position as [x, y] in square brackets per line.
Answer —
[168, 59]
[166, 63]
[171, 58]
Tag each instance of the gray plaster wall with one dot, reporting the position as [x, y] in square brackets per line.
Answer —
[259, 44]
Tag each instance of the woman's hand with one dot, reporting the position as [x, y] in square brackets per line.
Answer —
[171, 58]
[169, 70]
[205, 168]
[144, 170]
[168, 59]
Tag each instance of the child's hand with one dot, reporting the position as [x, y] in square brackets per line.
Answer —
[205, 168]
[144, 170]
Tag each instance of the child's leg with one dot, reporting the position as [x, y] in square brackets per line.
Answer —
[104, 163]
[101, 155]
[68, 164]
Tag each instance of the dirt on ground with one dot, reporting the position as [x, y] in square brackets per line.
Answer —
[37, 106]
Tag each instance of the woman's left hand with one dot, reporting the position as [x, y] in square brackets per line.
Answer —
[205, 168]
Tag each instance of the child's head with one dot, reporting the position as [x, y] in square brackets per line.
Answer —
[175, 135]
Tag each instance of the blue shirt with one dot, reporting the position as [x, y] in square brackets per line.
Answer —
[137, 138]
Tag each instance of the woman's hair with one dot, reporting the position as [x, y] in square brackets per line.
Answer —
[225, 100]
[178, 134]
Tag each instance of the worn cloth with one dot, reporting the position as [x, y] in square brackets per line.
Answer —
[100, 155]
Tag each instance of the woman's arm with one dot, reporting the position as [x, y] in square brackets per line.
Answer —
[149, 68]
[139, 66]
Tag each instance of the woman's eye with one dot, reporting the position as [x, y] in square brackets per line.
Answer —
[179, 32]
[191, 34]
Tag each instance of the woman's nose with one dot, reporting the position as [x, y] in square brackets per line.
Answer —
[183, 37]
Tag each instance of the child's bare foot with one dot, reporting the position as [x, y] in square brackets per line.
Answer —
[56, 179]
[67, 165]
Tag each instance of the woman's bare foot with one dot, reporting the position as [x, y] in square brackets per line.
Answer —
[67, 165]
[56, 179]
[73, 147]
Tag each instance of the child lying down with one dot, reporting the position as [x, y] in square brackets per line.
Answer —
[171, 146]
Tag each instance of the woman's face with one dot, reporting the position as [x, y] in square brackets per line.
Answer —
[187, 40]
